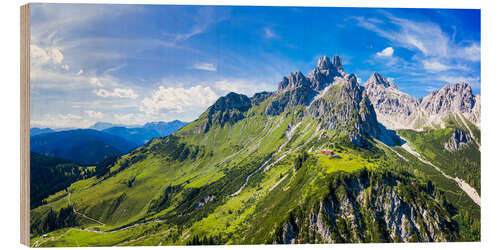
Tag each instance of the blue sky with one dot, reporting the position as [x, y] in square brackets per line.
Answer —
[131, 64]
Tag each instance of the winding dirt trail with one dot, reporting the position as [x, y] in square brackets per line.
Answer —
[45, 237]
[468, 189]
[83, 215]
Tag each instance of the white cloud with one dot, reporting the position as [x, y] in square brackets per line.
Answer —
[178, 99]
[53, 79]
[268, 33]
[459, 79]
[79, 72]
[70, 117]
[425, 37]
[387, 52]
[61, 121]
[472, 52]
[56, 55]
[434, 66]
[205, 66]
[117, 92]
[51, 56]
[227, 86]
[123, 118]
[95, 81]
[94, 114]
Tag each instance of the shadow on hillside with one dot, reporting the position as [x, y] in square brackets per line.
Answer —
[389, 137]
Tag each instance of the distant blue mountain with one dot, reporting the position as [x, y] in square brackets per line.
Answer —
[82, 146]
[141, 135]
[137, 135]
[39, 131]
[102, 140]
[104, 125]
[165, 128]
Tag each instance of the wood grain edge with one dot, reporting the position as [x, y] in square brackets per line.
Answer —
[25, 124]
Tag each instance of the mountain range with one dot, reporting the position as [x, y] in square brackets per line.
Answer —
[398, 110]
[322, 159]
[100, 141]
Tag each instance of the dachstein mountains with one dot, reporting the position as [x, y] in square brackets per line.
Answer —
[323, 159]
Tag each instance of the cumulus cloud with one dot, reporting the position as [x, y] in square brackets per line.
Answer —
[178, 99]
[205, 66]
[94, 114]
[387, 52]
[51, 56]
[117, 92]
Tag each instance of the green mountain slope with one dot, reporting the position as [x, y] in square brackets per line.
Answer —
[268, 170]
[51, 174]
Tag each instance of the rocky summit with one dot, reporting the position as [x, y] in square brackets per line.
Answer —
[398, 110]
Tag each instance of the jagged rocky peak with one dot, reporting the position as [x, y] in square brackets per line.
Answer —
[337, 62]
[324, 63]
[294, 80]
[283, 84]
[352, 82]
[378, 80]
[345, 108]
[450, 98]
[325, 72]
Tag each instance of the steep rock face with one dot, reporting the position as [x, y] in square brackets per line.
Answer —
[282, 100]
[450, 99]
[258, 98]
[227, 109]
[476, 111]
[292, 91]
[394, 108]
[398, 110]
[364, 209]
[457, 141]
[325, 72]
[334, 98]
[297, 89]
[345, 107]
[294, 80]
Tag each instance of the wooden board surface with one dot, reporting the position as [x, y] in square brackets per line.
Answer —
[25, 124]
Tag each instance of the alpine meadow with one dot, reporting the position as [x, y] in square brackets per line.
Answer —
[186, 127]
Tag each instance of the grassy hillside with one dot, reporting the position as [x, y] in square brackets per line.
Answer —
[464, 163]
[51, 174]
